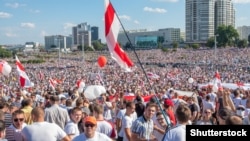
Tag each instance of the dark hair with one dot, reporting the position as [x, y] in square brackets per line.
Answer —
[54, 98]
[129, 104]
[151, 104]
[26, 102]
[183, 113]
[17, 112]
[75, 109]
[234, 120]
[158, 113]
[225, 113]
[98, 109]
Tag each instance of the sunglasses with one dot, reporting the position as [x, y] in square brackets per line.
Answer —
[18, 119]
[89, 125]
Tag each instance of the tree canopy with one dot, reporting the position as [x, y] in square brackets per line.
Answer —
[226, 36]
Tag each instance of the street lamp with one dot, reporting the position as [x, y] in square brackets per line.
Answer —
[82, 47]
[215, 47]
[59, 50]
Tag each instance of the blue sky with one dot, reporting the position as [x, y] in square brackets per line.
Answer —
[31, 20]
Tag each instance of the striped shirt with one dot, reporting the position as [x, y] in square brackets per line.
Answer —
[143, 128]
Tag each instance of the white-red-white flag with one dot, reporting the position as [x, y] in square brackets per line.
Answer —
[24, 80]
[217, 81]
[52, 83]
[153, 75]
[80, 83]
[112, 27]
[41, 75]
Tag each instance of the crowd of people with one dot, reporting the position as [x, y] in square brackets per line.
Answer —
[61, 111]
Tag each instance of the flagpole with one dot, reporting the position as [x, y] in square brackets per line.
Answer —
[151, 87]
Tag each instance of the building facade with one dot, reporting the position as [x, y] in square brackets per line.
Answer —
[81, 34]
[55, 42]
[94, 33]
[244, 32]
[204, 16]
[149, 39]
[224, 13]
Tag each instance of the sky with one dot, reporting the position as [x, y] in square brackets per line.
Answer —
[30, 20]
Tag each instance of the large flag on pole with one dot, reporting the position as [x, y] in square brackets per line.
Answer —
[24, 80]
[112, 27]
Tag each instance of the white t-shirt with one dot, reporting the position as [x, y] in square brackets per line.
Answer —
[122, 112]
[97, 137]
[107, 112]
[207, 105]
[71, 128]
[213, 98]
[120, 116]
[126, 123]
[157, 134]
[237, 101]
[43, 131]
[177, 133]
[106, 128]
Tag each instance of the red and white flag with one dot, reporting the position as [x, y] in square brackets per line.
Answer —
[40, 75]
[112, 27]
[52, 83]
[80, 84]
[24, 80]
[153, 75]
[217, 81]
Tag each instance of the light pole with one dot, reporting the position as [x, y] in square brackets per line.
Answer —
[215, 47]
[59, 50]
[83, 47]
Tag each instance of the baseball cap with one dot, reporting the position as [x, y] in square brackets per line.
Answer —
[90, 119]
[168, 102]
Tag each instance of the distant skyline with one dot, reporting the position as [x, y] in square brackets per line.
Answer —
[30, 20]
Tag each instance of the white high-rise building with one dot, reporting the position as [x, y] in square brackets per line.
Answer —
[81, 34]
[204, 16]
[225, 13]
[244, 32]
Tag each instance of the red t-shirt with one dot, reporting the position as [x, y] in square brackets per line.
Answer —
[172, 116]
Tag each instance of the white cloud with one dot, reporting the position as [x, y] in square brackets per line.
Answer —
[241, 1]
[28, 25]
[5, 15]
[10, 34]
[14, 5]
[68, 26]
[156, 10]
[125, 17]
[165, 0]
[136, 22]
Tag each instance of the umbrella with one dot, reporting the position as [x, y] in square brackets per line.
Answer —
[94, 91]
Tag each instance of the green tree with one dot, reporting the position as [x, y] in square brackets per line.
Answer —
[97, 45]
[195, 46]
[242, 43]
[175, 45]
[249, 39]
[210, 42]
[160, 41]
[226, 35]
[4, 53]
